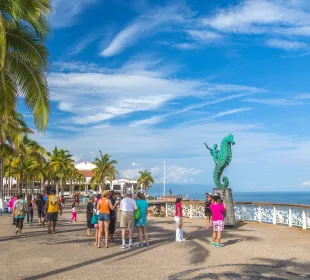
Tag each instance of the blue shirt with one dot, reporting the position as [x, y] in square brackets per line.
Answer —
[20, 208]
[142, 205]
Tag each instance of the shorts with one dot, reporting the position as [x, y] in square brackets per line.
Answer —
[89, 225]
[104, 217]
[127, 220]
[218, 225]
[40, 214]
[52, 216]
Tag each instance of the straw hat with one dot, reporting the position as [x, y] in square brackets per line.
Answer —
[106, 193]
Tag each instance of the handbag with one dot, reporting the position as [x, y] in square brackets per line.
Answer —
[137, 214]
[94, 219]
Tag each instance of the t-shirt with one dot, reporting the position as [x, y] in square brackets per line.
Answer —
[128, 205]
[39, 204]
[53, 202]
[20, 208]
[73, 209]
[112, 212]
[178, 209]
[142, 205]
[217, 212]
[89, 211]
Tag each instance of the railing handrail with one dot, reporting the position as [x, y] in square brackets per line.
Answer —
[237, 202]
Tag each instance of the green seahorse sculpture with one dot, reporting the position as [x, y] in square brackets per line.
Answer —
[222, 159]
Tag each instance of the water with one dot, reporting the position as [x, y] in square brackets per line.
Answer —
[198, 192]
[275, 197]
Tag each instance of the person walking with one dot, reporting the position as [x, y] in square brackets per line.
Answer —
[73, 215]
[53, 207]
[105, 206]
[141, 220]
[178, 218]
[89, 214]
[19, 212]
[208, 212]
[11, 204]
[127, 207]
[218, 209]
[30, 205]
[39, 204]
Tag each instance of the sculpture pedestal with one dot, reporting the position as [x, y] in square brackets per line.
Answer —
[226, 195]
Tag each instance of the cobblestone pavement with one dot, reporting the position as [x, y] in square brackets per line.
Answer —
[250, 251]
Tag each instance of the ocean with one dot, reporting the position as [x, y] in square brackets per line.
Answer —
[198, 193]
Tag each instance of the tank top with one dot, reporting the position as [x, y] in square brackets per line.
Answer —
[104, 208]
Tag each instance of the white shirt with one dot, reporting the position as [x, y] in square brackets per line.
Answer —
[128, 205]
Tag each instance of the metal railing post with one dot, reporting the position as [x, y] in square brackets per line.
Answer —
[274, 220]
[191, 210]
[304, 218]
[166, 209]
[242, 212]
[260, 213]
[290, 217]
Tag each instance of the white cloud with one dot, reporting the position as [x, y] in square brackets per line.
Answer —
[135, 164]
[65, 12]
[175, 174]
[258, 16]
[286, 45]
[145, 26]
[230, 112]
[303, 96]
[204, 36]
[306, 184]
[186, 46]
[274, 101]
[99, 96]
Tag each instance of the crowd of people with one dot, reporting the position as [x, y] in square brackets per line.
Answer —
[101, 215]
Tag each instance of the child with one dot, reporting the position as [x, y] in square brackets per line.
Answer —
[73, 217]
[217, 209]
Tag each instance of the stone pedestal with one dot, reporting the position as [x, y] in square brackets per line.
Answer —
[226, 195]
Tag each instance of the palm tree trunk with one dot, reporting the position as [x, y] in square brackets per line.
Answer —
[61, 187]
[1, 177]
[102, 186]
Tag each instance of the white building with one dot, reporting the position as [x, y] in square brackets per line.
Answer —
[119, 185]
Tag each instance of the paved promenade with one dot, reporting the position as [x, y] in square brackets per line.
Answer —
[250, 251]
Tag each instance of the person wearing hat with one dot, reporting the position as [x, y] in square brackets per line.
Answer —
[105, 206]
[127, 207]
[208, 212]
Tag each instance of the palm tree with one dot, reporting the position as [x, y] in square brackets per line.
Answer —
[146, 180]
[60, 161]
[105, 168]
[81, 180]
[24, 58]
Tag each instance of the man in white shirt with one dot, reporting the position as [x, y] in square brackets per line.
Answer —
[127, 207]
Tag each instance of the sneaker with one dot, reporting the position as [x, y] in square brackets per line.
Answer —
[140, 245]
[217, 245]
[130, 247]
[123, 247]
[17, 230]
[213, 244]
[20, 231]
[148, 244]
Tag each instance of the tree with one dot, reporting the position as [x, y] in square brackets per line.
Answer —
[24, 58]
[146, 180]
[60, 161]
[81, 180]
[105, 168]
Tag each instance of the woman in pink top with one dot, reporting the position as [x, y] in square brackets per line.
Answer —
[178, 218]
[218, 210]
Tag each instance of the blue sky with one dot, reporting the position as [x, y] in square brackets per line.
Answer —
[148, 81]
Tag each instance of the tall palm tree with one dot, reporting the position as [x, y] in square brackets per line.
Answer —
[105, 168]
[81, 180]
[24, 58]
[60, 161]
[146, 180]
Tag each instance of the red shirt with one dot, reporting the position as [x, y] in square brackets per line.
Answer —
[217, 212]
[178, 209]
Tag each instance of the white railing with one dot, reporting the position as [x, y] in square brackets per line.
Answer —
[292, 215]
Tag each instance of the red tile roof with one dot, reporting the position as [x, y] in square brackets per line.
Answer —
[86, 173]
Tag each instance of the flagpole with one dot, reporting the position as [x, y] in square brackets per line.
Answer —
[164, 178]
